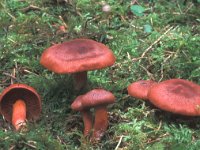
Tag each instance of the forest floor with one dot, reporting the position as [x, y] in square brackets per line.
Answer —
[156, 40]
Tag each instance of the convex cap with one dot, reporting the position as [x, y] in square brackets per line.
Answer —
[140, 89]
[76, 56]
[177, 96]
[93, 98]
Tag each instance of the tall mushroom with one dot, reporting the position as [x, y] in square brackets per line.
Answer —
[97, 99]
[77, 57]
[140, 89]
[18, 103]
[177, 96]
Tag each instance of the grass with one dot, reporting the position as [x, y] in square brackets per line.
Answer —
[170, 50]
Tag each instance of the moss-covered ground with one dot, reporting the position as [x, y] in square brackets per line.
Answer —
[159, 40]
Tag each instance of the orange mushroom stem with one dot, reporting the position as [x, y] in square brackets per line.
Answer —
[19, 114]
[100, 124]
[80, 80]
[87, 120]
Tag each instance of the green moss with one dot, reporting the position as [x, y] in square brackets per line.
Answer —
[175, 54]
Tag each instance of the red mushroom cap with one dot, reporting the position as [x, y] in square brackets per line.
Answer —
[24, 92]
[177, 96]
[76, 56]
[93, 98]
[139, 89]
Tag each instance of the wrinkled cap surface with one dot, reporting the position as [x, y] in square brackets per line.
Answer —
[93, 98]
[76, 56]
[139, 89]
[176, 95]
[23, 92]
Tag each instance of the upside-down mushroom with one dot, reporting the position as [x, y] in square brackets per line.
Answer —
[177, 96]
[76, 57]
[97, 99]
[18, 103]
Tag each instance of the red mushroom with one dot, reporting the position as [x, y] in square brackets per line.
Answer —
[77, 57]
[139, 89]
[18, 103]
[97, 99]
[177, 96]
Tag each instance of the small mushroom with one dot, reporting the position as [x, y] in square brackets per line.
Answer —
[177, 96]
[139, 89]
[77, 57]
[97, 99]
[18, 103]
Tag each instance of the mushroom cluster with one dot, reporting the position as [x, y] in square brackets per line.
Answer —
[18, 103]
[76, 57]
[175, 95]
[97, 99]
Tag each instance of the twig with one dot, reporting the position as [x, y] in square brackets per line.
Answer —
[137, 27]
[190, 6]
[61, 18]
[11, 76]
[120, 140]
[160, 125]
[181, 12]
[5, 10]
[4, 84]
[133, 2]
[30, 145]
[12, 40]
[89, 20]
[14, 75]
[30, 72]
[13, 17]
[148, 73]
[29, 8]
[158, 139]
[12, 147]
[155, 42]
[7, 74]
[162, 71]
[125, 97]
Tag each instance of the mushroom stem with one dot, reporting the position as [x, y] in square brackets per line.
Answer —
[19, 114]
[87, 120]
[101, 123]
[80, 80]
